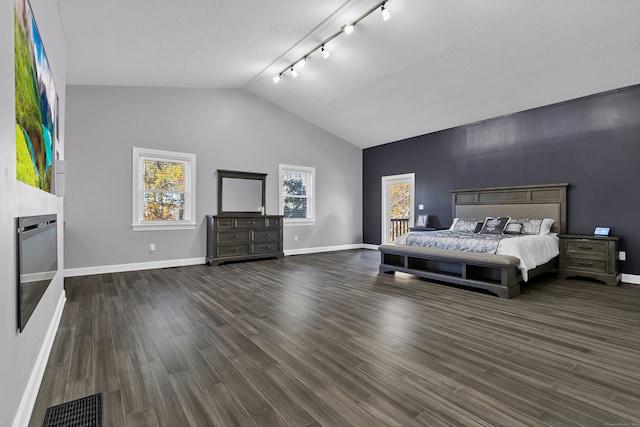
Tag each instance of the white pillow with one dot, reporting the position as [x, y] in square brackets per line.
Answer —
[453, 224]
[402, 239]
[545, 228]
[466, 225]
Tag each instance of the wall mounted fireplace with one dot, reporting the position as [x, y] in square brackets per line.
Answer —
[37, 241]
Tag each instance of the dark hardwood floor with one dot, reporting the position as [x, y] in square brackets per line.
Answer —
[323, 339]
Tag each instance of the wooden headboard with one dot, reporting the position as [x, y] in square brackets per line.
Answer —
[535, 201]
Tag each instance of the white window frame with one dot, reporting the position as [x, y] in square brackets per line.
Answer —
[137, 223]
[311, 194]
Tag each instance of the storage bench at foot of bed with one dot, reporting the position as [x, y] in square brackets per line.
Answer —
[496, 273]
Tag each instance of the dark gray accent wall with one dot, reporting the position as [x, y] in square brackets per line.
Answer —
[593, 143]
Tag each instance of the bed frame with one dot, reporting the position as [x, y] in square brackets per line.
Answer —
[496, 273]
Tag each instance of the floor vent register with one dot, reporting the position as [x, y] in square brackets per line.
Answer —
[84, 412]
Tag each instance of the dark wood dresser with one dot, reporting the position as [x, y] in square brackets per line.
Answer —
[595, 257]
[238, 238]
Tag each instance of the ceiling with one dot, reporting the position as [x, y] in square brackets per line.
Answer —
[435, 64]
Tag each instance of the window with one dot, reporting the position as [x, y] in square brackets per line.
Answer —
[297, 194]
[164, 185]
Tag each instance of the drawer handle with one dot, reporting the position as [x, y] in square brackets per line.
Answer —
[236, 236]
[252, 222]
[588, 264]
[586, 247]
[266, 234]
[235, 250]
[266, 247]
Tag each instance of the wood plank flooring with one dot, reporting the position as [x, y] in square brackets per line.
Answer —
[323, 339]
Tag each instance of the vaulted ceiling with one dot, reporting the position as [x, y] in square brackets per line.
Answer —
[434, 65]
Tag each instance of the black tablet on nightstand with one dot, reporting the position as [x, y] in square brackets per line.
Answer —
[602, 231]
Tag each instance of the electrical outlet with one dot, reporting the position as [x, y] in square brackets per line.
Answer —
[152, 247]
[295, 238]
[622, 255]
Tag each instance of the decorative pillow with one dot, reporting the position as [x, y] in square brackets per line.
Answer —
[513, 228]
[479, 225]
[465, 225]
[494, 225]
[529, 226]
[453, 224]
[547, 223]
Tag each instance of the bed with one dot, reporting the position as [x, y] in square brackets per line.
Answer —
[498, 273]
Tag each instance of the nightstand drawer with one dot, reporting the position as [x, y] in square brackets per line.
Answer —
[587, 246]
[233, 236]
[591, 264]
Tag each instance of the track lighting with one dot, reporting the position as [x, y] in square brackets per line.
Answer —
[300, 64]
[385, 13]
[347, 29]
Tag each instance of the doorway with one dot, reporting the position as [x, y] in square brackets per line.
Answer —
[398, 192]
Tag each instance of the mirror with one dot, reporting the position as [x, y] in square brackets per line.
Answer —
[241, 193]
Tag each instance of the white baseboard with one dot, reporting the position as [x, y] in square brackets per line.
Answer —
[117, 268]
[86, 271]
[29, 397]
[303, 251]
[634, 279]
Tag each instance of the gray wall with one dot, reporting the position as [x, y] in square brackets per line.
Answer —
[19, 351]
[226, 129]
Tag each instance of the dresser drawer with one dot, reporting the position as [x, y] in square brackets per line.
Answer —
[587, 247]
[265, 235]
[230, 250]
[251, 223]
[274, 222]
[233, 236]
[591, 264]
[225, 223]
[265, 248]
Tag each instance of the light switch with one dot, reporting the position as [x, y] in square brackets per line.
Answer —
[421, 207]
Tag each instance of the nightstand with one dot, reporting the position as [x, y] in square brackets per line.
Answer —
[590, 256]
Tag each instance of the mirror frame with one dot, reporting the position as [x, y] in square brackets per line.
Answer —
[240, 175]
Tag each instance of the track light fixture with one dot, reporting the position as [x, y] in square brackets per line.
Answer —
[347, 29]
[385, 13]
[300, 64]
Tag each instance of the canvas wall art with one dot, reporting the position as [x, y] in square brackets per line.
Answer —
[36, 104]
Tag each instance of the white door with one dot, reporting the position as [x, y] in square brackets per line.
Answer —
[397, 205]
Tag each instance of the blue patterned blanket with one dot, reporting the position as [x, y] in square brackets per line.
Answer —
[455, 241]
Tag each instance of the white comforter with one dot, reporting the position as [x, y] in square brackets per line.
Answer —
[532, 250]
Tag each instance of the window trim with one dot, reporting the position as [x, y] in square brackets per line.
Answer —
[137, 224]
[311, 195]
